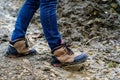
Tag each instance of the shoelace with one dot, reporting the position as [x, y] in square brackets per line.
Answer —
[67, 50]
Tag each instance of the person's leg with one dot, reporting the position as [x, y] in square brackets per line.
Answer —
[18, 45]
[61, 53]
[24, 17]
[49, 22]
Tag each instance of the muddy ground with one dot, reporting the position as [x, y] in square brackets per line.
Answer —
[86, 25]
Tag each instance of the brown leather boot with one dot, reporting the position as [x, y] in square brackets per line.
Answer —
[19, 48]
[64, 55]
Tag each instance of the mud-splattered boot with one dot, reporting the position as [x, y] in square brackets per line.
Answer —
[65, 56]
[19, 48]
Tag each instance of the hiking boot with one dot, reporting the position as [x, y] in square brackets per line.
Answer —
[19, 48]
[65, 56]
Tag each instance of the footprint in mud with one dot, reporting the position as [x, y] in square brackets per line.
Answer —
[74, 68]
[76, 72]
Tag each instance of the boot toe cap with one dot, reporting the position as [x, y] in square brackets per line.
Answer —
[81, 58]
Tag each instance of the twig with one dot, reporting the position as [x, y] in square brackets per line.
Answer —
[92, 39]
[111, 59]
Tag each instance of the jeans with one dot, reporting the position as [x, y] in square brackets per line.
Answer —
[48, 20]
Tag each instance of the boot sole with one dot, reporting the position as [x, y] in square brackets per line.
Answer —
[67, 63]
[19, 55]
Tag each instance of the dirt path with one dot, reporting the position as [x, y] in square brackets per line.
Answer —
[100, 50]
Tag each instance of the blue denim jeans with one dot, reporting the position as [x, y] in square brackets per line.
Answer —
[47, 16]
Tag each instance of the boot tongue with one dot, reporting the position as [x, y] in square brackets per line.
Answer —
[66, 49]
[70, 52]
